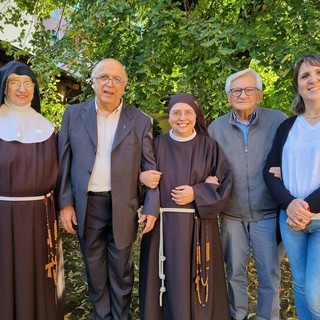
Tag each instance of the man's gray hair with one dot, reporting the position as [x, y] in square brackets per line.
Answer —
[241, 73]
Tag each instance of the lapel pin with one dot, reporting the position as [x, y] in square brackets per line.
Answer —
[123, 127]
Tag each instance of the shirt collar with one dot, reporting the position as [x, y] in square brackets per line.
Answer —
[117, 111]
[238, 122]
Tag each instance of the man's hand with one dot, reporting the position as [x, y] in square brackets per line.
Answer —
[149, 221]
[182, 195]
[150, 178]
[212, 179]
[68, 216]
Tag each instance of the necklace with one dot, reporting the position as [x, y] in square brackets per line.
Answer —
[308, 117]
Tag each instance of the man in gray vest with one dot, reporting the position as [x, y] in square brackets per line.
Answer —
[249, 220]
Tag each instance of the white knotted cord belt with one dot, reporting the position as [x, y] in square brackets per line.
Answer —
[162, 257]
[25, 198]
[52, 232]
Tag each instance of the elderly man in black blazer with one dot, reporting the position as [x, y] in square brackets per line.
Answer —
[103, 146]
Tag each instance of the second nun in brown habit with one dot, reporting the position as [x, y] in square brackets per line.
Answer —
[181, 269]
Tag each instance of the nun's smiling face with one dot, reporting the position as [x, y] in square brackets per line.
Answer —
[182, 119]
[20, 90]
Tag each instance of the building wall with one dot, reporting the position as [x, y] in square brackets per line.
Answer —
[10, 33]
[68, 86]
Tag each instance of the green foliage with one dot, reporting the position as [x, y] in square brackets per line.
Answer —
[41, 8]
[168, 50]
[51, 104]
[77, 301]
[156, 128]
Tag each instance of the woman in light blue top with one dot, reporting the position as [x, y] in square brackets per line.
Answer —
[296, 150]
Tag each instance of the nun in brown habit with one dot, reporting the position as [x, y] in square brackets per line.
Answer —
[31, 269]
[181, 266]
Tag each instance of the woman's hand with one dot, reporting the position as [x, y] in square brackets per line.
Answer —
[182, 195]
[299, 214]
[293, 225]
[150, 178]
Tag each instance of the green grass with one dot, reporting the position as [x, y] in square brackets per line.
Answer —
[78, 306]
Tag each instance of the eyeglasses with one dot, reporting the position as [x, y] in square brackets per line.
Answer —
[16, 84]
[105, 79]
[178, 114]
[249, 91]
